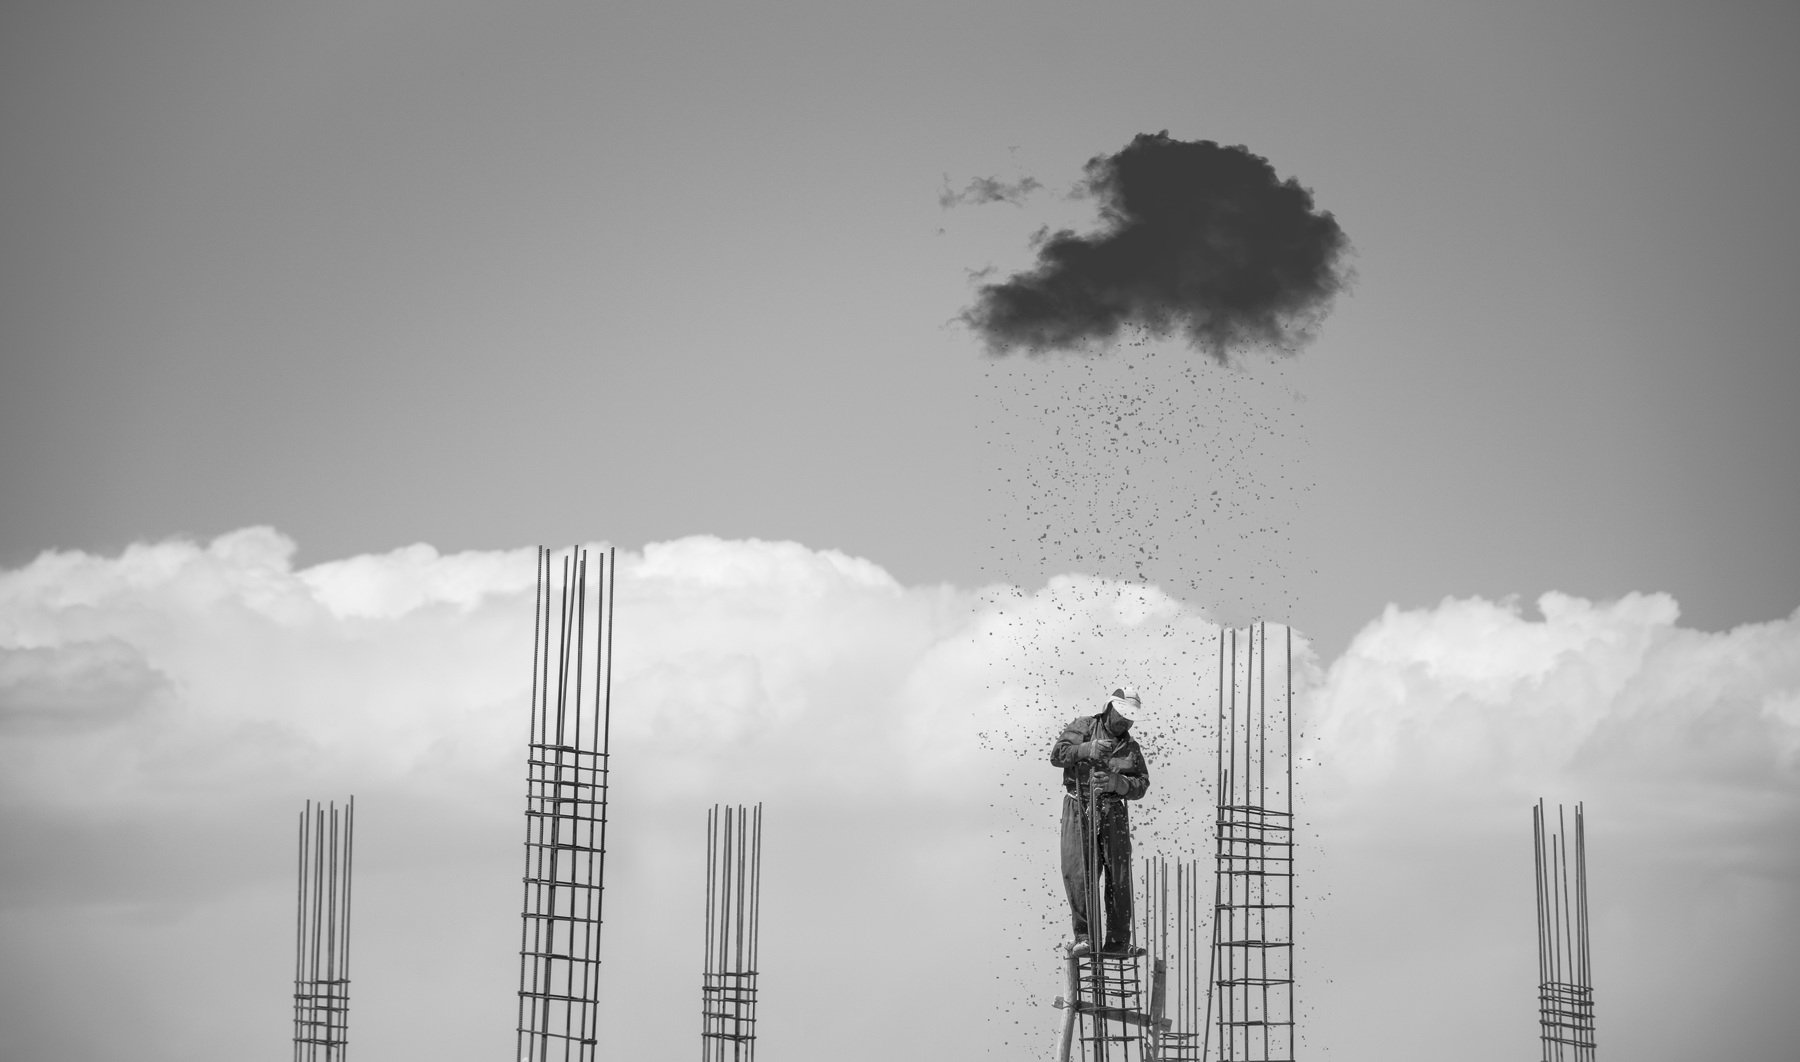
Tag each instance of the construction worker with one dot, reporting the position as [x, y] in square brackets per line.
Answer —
[1098, 757]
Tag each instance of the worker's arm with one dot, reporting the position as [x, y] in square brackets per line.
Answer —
[1130, 774]
[1073, 747]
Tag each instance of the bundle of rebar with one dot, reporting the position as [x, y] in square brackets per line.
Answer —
[322, 934]
[1115, 1026]
[1565, 977]
[733, 929]
[566, 782]
[1171, 936]
[1250, 994]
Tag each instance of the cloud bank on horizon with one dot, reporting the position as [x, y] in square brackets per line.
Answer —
[1195, 238]
[164, 711]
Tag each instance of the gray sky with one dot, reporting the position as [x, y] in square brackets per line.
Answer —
[379, 274]
[382, 274]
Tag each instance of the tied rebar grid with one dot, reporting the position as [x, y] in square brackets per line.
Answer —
[565, 810]
[733, 910]
[1565, 983]
[1171, 934]
[322, 934]
[1250, 994]
[1109, 1006]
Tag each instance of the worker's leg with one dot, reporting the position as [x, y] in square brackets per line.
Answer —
[1074, 860]
[1115, 853]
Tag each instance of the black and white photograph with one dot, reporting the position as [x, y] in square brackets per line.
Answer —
[1138, 532]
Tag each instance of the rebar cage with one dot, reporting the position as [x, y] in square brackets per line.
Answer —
[728, 984]
[1565, 977]
[1171, 935]
[1250, 998]
[322, 934]
[565, 809]
[1113, 1023]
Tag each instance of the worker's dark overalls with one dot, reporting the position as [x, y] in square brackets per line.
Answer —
[1114, 838]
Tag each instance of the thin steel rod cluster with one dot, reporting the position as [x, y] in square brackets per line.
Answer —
[1565, 978]
[1109, 1004]
[1250, 996]
[1094, 1020]
[565, 809]
[1173, 916]
[1117, 1018]
[322, 934]
[733, 929]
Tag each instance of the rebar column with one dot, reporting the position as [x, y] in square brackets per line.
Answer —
[566, 774]
[1115, 1018]
[322, 934]
[1565, 978]
[1171, 928]
[733, 929]
[1250, 980]
[1109, 1005]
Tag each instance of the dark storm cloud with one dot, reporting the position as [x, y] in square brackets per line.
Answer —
[988, 190]
[1195, 238]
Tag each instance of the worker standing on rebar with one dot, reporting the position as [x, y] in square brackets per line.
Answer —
[1099, 758]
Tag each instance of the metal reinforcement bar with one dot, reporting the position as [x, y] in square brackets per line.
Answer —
[1250, 978]
[1565, 977]
[733, 930]
[566, 774]
[1106, 994]
[1171, 935]
[322, 934]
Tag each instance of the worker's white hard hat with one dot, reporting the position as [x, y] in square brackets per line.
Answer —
[1126, 698]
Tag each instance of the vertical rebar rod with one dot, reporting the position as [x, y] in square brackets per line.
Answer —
[318, 924]
[1281, 867]
[344, 951]
[1586, 971]
[1179, 969]
[1233, 778]
[300, 924]
[1219, 737]
[331, 920]
[1287, 724]
[600, 775]
[756, 923]
[539, 604]
[706, 966]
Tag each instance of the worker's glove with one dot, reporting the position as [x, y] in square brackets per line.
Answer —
[1096, 749]
[1108, 782]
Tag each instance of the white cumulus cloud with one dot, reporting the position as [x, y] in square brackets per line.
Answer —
[1436, 731]
[164, 712]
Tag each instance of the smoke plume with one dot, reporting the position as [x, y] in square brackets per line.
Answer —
[1195, 238]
